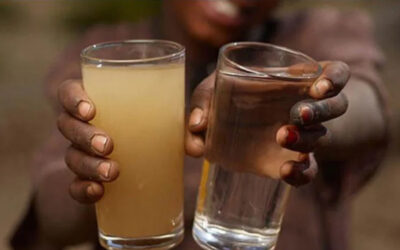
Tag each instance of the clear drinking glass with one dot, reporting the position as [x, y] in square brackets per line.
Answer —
[138, 89]
[241, 200]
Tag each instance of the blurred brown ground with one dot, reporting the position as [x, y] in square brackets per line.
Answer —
[31, 35]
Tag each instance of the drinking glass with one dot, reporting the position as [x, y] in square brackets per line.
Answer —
[138, 89]
[241, 199]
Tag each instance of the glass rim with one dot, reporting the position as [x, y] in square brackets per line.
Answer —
[85, 54]
[259, 74]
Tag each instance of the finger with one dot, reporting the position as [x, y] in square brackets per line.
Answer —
[85, 136]
[89, 167]
[305, 68]
[312, 112]
[86, 191]
[75, 101]
[198, 118]
[334, 77]
[298, 139]
[194, 144]
[299, 172]
[200, 104]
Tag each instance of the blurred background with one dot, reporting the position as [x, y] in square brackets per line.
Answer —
[33, 33]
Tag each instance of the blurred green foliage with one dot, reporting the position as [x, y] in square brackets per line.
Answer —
[82, 14]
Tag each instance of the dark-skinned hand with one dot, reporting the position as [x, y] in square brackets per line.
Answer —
[90, 146]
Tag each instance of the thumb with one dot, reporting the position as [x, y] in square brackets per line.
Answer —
[200, 104]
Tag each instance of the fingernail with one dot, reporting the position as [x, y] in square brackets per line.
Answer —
[84, 108]
[91, 190]
[195, 117]
[104, 169]
[306, 114]
[292, 137]
[99, 143]
[323, 86]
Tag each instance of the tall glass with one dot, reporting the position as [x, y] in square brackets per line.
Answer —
[138, 89]
[241, 200]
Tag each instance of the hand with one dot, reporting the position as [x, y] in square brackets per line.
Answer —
[305, 132]
[86, 157]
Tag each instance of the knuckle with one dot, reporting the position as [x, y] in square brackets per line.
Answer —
[67, 83]
[338, 105]
[322, 109]
[202, 92]
[68, 158]
[345, 101]
[72, 190]
[80, 134]
[59, 123]
[338, 73]
[61, 119]
[341, 65]
[67, 94]
[209, 81]
[84, 167]
[89, 166]
[200, 98]
[63, 88]
[335, 73]
[75, 133]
